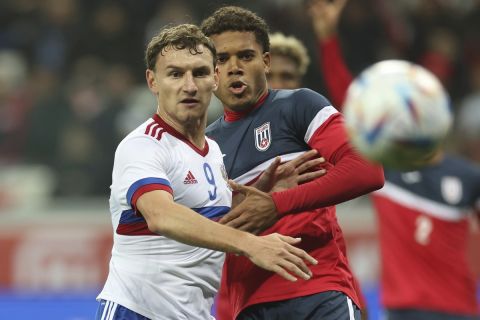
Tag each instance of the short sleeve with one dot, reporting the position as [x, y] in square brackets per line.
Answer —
[141, 165]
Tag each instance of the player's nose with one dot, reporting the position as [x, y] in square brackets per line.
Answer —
[234, 67]
[189, 84]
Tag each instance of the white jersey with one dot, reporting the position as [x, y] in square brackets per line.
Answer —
[150, 274]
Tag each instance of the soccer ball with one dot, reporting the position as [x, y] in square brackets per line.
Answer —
[397, 114]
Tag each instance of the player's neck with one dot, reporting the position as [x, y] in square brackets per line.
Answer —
[231, 115]
[192, 130]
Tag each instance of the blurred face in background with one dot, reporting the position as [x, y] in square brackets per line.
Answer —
[283, 73]
[241, 68]
[183, 84]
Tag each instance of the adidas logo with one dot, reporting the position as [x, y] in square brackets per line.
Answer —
[190, 178]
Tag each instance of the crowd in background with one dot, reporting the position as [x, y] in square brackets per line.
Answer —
[72, 71]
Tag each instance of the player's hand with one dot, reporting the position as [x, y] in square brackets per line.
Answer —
[281, 176]
[325, 16]
[276, 253]
[254, 214]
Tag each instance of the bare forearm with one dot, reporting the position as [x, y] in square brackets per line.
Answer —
[180, 223]
[273, 252]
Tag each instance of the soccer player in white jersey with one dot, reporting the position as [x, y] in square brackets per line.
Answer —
[168, 184]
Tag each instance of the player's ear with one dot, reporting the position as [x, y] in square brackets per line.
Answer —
[215, 78]
[266, 61]
[151, 81]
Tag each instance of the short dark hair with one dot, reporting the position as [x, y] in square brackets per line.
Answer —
[183, 36]
[233, 18]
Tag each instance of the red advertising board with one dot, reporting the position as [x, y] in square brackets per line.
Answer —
[75, 256]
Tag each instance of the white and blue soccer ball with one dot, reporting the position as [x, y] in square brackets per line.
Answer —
[397, 113]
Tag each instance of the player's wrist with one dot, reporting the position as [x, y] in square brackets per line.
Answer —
[261, 185]
[278, 204]
[324, 33]
[246, 244]
[328, 41]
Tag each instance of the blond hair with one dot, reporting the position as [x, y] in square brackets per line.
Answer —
[292, 48]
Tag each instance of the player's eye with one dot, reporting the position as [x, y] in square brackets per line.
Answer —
[175, 74]
[247, 56]
[222, 59]
[200, 73]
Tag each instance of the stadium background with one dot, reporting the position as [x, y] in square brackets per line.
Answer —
[72, 85]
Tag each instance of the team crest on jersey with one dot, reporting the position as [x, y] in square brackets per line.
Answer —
[451, 189]
[263, 137]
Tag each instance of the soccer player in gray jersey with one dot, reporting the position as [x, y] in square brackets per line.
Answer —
[258, 125]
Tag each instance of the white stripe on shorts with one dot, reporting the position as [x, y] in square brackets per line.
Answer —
[107, 314]
[350, 309]
[112, 311]
[105, 309]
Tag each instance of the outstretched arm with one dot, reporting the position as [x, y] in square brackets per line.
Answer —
[274, 252]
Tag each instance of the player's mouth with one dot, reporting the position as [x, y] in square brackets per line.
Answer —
[189, 102]
[237, 87]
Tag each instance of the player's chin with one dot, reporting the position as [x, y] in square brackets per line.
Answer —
[241, 100]
[193, 114]
[240, 105]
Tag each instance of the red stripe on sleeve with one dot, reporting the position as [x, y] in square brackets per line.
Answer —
[147, 188]
[135, 229]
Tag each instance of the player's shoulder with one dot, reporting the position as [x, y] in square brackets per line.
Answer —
[301, 96]
[210, 130]
[147, 135]
[301, 105]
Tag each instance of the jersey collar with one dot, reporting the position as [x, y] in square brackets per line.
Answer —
[203, 152]
[232, 116]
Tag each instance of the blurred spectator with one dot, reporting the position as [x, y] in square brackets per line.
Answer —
[110, 35]
[468, 119]
[468, 127]
[59, 24]
[168, 13]
[14, 105]
[289, 62]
